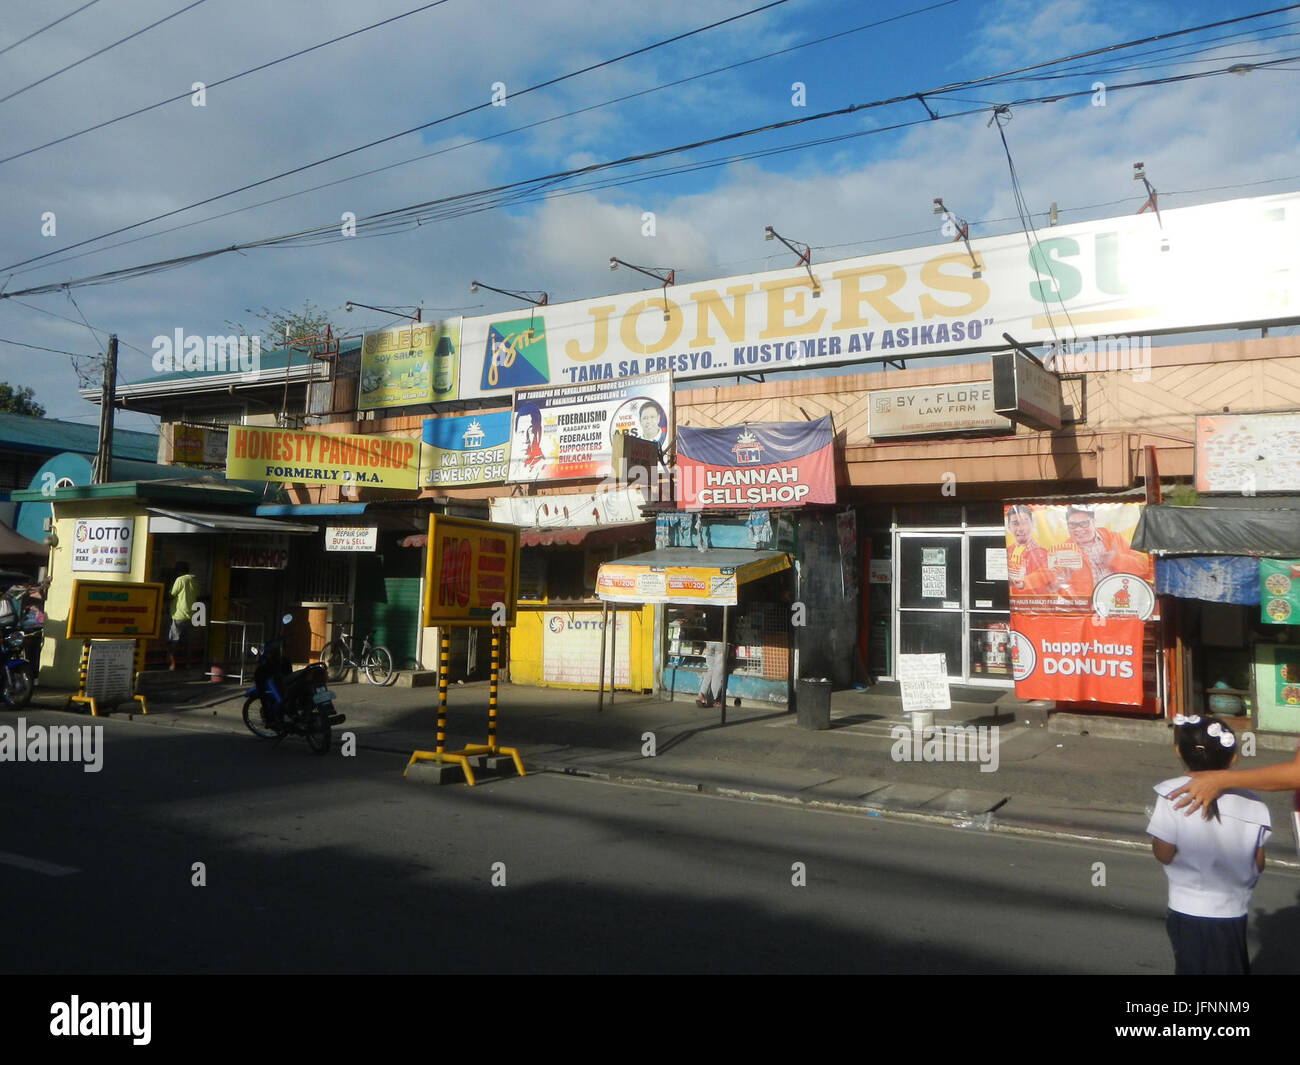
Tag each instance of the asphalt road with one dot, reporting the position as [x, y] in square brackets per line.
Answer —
[337, 864]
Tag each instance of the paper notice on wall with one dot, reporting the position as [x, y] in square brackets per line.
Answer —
[934, 582]
[924, 682]
[995, 563]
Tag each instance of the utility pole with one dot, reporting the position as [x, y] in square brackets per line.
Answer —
[103, 472]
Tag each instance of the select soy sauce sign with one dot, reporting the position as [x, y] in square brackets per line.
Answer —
[102, 545]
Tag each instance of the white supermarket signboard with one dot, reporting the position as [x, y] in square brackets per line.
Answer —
[1126, 275]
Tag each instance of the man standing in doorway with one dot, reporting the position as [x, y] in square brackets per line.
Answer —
[184, 594]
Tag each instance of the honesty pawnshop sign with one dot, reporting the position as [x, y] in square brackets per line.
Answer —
[296, 455]
[1112, 276]
[464, 451]
[772, 464]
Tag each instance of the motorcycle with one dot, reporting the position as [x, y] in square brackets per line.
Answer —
[18, 673]
[282, 703]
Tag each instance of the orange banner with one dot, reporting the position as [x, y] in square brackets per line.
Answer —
[1077, 659]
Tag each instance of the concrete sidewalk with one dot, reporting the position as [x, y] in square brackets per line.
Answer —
[1063, 775]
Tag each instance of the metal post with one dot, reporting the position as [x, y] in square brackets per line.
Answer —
[600, 689]
[492, 692]
[723, 693]
[444, 654]
[613, 651]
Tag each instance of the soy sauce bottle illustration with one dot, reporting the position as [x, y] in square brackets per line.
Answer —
[444, 364]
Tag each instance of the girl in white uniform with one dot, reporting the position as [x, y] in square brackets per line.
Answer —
[1212, 864]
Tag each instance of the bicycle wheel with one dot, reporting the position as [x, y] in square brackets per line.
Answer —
[378, 665]
[317, 730]
[335, 660]
[256, 720]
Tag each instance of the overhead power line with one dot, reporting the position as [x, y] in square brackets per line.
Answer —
[533, 188]
[414, 129]
[47, 26]
[491, 136]
[1170, 35]
[221, 81]
[101, 51]
[37, 347]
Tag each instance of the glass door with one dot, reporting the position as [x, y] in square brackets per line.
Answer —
[928, 577]
[988, 607]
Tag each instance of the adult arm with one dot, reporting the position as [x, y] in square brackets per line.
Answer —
[1163, 851]
[1205, 787]
[1259, 859]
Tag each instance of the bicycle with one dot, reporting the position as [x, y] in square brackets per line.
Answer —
[374, 661]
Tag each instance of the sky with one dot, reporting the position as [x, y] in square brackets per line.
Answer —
[847, 185]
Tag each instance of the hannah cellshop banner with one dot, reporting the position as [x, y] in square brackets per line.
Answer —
[1077, 659]
[772, 464]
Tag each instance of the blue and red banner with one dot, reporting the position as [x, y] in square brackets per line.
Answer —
[772, 464]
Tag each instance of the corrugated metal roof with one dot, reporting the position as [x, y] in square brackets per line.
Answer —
[51, 435]
[268, 363]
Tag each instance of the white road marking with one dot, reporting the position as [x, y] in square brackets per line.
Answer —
[35, 865]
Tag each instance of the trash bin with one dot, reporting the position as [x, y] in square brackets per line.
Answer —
[813, 702]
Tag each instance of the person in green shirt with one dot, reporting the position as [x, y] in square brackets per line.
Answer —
[184, 594]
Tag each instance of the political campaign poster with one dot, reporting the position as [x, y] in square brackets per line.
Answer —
[1077, 559]
[1077, 659]
[409, 364]
[769, 464]
[561, 434]
[458, 452]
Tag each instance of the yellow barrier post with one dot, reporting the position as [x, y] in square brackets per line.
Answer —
[492, 750]
[439, 754]
[82, 669]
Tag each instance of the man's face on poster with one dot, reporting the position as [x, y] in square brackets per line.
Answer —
[1082, 528]
[649, 418]
[1021, 526]
[525, 434]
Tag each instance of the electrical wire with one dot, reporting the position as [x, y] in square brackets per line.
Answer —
[487, 199]
[37, 347]
[489, 137]
[101, 51]
[989, 79]
[219, 82]
[47, 26]
[414, 129]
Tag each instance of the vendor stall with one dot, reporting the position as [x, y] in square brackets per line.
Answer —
[750, 589]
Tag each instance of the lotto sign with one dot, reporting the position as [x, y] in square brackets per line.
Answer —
[1077, 659]
[471, 572]
[102, 545]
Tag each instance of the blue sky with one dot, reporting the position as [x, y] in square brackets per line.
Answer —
[1202, 140]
